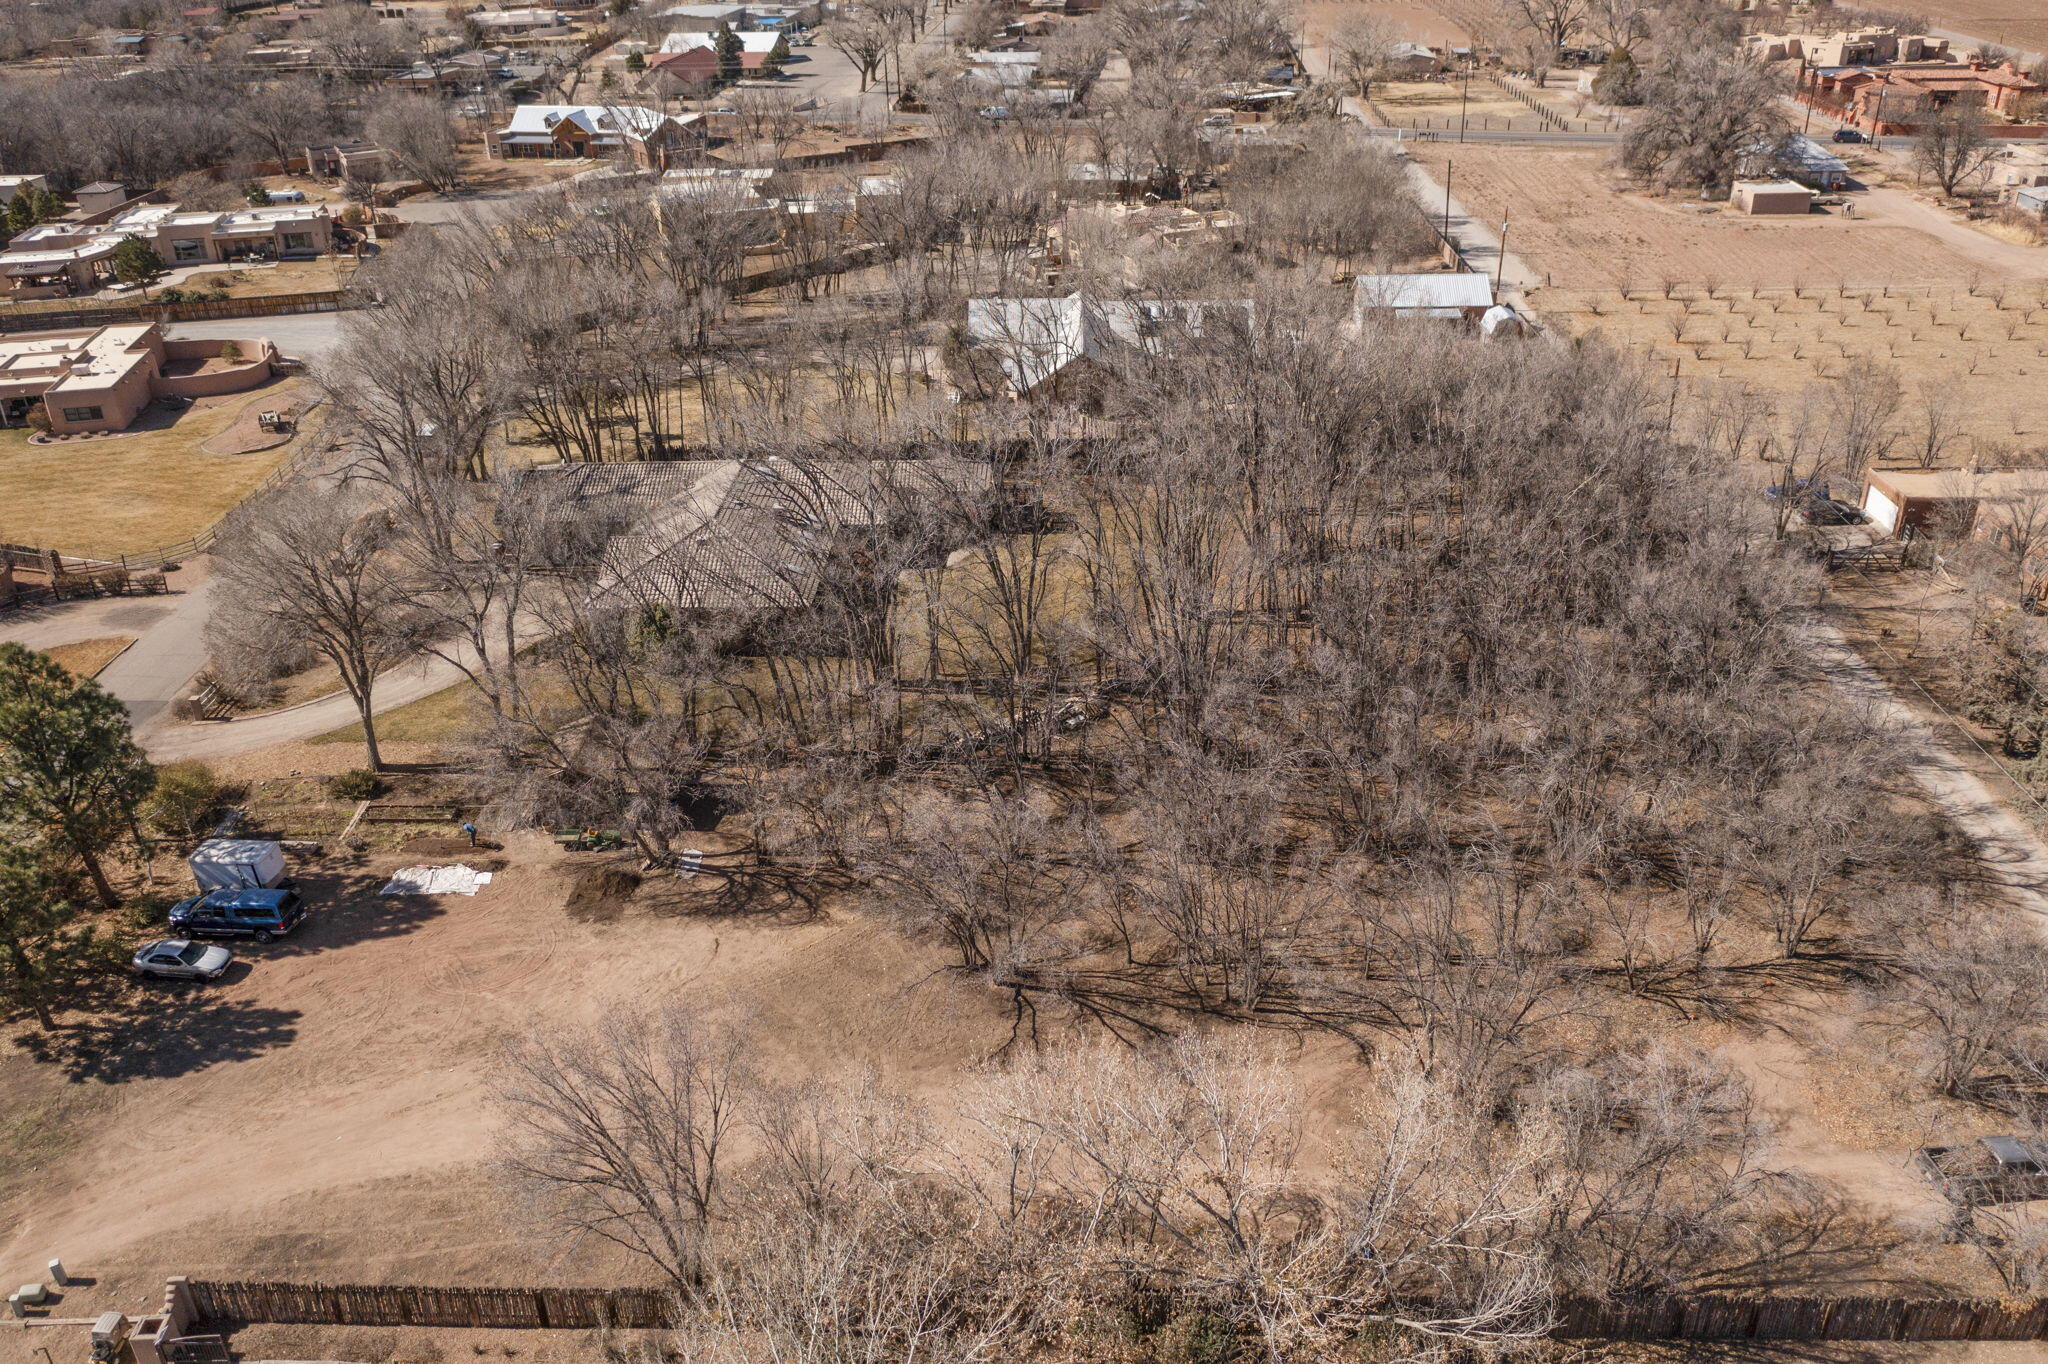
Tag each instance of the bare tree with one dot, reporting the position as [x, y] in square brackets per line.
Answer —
[311, 568]
[416, 132]
[1951, 145]
[1360, 49]
[1553, 21]
[622, 1134]
[1703, 116]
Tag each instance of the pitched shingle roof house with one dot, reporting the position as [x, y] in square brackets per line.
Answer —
[1036, 339]
[647, 136]
[742, 536]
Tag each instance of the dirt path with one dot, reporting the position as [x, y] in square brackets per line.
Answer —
[2001, 260]
[2015, 858]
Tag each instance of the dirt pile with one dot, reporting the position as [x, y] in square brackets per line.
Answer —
[601, 894]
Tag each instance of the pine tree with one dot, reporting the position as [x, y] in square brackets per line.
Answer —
[21, 213]
[135, 261]
[1619, 80]
[69, 766]
[728, 46]
[39, 937]
[777, 54]
[44, 204]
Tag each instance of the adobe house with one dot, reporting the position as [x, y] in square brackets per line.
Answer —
[93, 379]
[1772, 197]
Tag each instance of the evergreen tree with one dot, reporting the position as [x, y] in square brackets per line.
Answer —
[728, 46]
[1618, 82]
[39, 933]
[136, 262]
[39, 204]
[21, 213]
[69, 766]
[777, 54]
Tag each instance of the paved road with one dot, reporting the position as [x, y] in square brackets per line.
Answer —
[305, 335]
[161, 663]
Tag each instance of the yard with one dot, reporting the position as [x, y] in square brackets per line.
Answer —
[1573, 221]
[352, 1062]
[130, 493]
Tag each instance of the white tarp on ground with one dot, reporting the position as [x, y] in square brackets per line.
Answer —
[455, 880]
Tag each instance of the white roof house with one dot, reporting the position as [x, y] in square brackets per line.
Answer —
[728, 186]
[1035, 338]
[608, 124]
[1439, 295]
[749, 42]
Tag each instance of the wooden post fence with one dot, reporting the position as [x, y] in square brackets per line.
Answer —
[1705, 1316]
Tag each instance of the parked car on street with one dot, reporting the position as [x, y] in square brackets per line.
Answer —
[181, 959]
[254, 913]
[1847, 135]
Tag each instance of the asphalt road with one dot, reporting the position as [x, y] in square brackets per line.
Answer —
[304, 335]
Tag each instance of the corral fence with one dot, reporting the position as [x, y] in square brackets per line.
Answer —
[66, 314]
[1709, 1316]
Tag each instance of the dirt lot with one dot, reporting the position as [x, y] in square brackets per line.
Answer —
[1418, 23]
[2015, 23]
[1988, 343]
[1572, 221]
[339, 1072]
[321, 1112]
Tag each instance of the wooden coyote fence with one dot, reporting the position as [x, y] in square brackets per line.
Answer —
[415, 1305]
[1708, 1316]
[21, 317]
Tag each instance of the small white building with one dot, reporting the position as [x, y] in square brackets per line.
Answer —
[1462, 295]
[237, 863]
[1761, 198]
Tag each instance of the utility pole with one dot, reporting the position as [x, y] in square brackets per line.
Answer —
[1500, 267]
[1464, 92]
[1448, 167]
[1877, 123]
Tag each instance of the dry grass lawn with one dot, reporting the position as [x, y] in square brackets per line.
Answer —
[286, 277]
[430, 720]
[85, 657]
[131, 493]
[1987, 344]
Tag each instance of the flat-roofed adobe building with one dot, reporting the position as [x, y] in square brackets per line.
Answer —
[60, 258]
[94, 379]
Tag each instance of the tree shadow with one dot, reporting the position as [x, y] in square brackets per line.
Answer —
[163, 1034]
[343, 907]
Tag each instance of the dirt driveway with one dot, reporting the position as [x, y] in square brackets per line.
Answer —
[320, 1112]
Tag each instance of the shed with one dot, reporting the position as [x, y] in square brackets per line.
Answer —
[1462, 294]
[1953, 502]
[1812, 164]
[237, 862]
[1761, 197]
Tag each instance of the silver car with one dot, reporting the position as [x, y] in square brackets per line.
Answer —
[181, 959]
